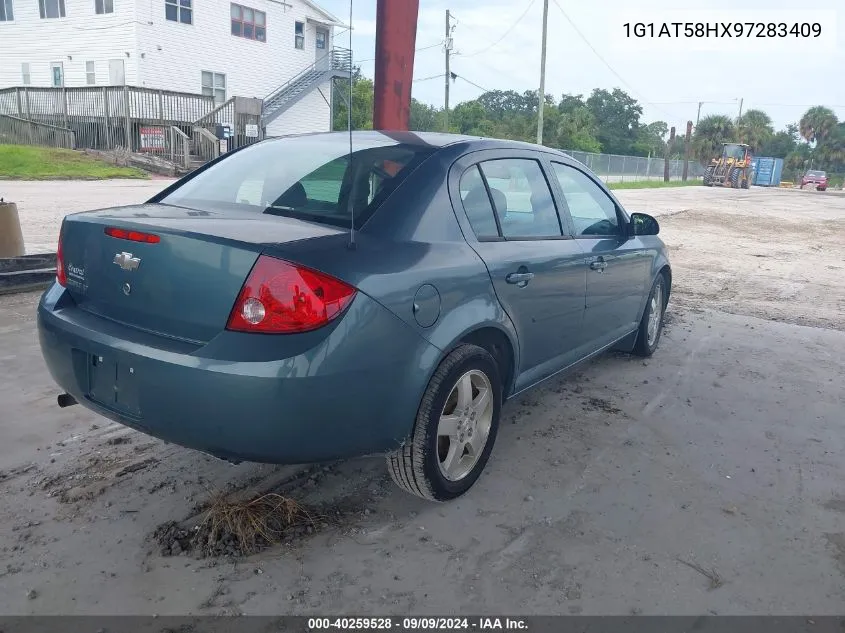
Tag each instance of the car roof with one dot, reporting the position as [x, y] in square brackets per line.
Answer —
[431, 139]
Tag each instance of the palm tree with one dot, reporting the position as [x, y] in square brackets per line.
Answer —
[711, 132]
[817, 124]
[755, 128]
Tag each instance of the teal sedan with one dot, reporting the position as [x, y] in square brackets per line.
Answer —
[315, 298]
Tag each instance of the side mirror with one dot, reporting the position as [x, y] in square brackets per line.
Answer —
[643, 224]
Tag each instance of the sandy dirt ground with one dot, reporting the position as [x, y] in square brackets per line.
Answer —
[707, 479]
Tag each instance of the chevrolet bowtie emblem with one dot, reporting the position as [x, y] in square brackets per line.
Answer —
[126, 261]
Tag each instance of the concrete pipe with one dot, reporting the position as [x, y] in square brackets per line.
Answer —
[11, 236]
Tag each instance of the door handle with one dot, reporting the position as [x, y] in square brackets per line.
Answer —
[520, 279]
[598, 265]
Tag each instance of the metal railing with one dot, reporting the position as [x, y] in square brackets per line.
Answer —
[239, 113]
[338, 59]
[341, 59]
[17, 131]
[105, 117]
[617, 168]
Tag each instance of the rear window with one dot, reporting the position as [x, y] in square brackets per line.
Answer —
[816, 174]
[310, 178]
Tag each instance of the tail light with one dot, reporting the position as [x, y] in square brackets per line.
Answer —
[61, 275]
[133, 236]
[284, 298]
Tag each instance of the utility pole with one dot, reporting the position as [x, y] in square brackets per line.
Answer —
[666, 154]
[687, 144]
[448, 47]
[698, 116]
[740, 110]
[542, 104]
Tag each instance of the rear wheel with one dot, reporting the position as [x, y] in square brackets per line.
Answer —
[651, 326]
[708, 176]
[455, 429]
[746, 180]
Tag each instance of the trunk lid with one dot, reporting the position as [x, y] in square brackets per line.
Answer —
[184, 285]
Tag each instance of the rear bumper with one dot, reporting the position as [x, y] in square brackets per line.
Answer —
[355, 391]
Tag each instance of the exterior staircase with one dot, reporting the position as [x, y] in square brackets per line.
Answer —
[336, 63]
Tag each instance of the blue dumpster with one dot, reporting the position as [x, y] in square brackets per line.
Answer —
[767, 171]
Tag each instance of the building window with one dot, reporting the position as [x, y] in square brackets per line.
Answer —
[321, 39]
[179, 11]
[103, 6]
[6, 13]
[57, 74]
[214, 85]
[90, 75]
[51, 9]
[26, 78]
[299, 34]
[249, 23]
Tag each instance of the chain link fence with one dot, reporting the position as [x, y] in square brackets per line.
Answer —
[615, 168]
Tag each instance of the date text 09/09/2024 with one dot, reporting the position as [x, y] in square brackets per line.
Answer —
[721, 29]
[417, 624]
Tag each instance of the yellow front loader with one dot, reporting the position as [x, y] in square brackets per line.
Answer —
[731, 169]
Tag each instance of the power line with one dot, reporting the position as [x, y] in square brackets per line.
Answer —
[506, 33]
[797, 105]
[604, 61]
[438, 75]
[416, 50]
[482, 88]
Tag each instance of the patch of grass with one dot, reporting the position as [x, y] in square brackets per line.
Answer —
[239, 527]
[252, 525]
[711, 574]
[24, 162]
[654, 184]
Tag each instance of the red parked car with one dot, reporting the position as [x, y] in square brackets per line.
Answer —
[816, 178]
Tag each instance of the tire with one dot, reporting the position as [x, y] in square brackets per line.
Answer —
[735, 178]
[746, 181]
[421, 466]
[646, 345]
[708, 176]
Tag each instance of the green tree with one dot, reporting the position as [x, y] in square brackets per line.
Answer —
[617, 115]
[576, 131]
[467, 118]
[755, 129]
[569, 103]
[651, 139]
[424, 117]
[778, 145]
[817, 124]
[362, 103]
[796, 162]
[711, 132]
[502, 104]
[678, 148]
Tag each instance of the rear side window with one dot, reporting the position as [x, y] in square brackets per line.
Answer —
[477, 204]
[311, 178]
[521, 198]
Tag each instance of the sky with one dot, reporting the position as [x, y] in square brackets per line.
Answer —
[497, 45]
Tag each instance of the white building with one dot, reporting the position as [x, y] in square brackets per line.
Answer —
[252, 48]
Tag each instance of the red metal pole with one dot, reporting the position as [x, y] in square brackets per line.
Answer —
[396, 34]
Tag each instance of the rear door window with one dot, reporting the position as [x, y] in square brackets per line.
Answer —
[521, 198]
